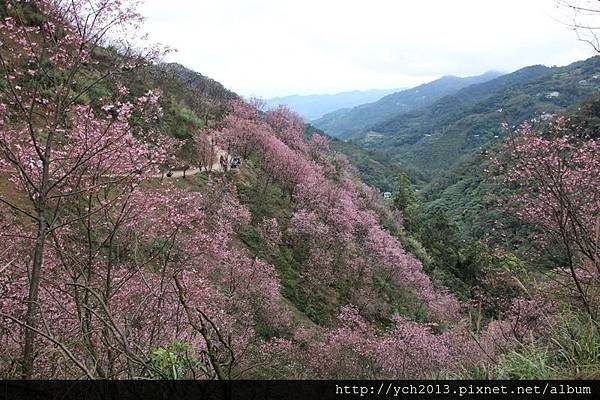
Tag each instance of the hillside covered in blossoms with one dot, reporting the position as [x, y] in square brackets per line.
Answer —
[157, 225]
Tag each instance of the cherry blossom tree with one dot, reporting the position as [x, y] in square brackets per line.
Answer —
[556, 174]
[206, 150]
[53, 144]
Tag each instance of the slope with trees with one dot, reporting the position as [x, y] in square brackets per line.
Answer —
[433, 138]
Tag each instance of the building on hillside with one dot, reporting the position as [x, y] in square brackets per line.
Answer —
[387, 195]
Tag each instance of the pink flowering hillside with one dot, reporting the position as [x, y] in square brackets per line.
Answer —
[154, 225]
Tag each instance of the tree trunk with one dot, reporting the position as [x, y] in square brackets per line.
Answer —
[32, 299]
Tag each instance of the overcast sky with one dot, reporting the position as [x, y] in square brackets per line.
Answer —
[267, 48]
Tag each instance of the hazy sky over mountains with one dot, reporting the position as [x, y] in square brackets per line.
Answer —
[270, 48]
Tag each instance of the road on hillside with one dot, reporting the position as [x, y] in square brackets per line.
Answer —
[216, 167]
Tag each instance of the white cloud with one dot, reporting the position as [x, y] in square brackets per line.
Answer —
[277, 47]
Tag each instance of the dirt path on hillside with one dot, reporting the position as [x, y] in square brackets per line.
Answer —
[216, 167]
[179, 173]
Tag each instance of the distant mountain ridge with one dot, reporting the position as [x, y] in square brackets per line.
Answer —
[352, 122]
[311, 107]
[433, 138]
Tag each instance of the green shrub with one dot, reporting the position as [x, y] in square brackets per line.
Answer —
[529, 362]
[571, 350]
[577, 341]
[175, 361]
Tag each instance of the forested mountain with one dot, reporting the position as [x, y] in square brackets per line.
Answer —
[311, 107]
[433, 138]
[350, 123]
[469, 192]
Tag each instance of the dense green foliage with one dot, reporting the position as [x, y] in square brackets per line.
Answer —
[471, 192]
[374, 166]
[435, 137]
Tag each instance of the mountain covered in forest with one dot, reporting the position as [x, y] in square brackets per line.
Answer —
[430, 140]
[312, 107]
[348, 123]
[469, 192]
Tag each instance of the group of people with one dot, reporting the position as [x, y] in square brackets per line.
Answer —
[224, 161]
[225, 164]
